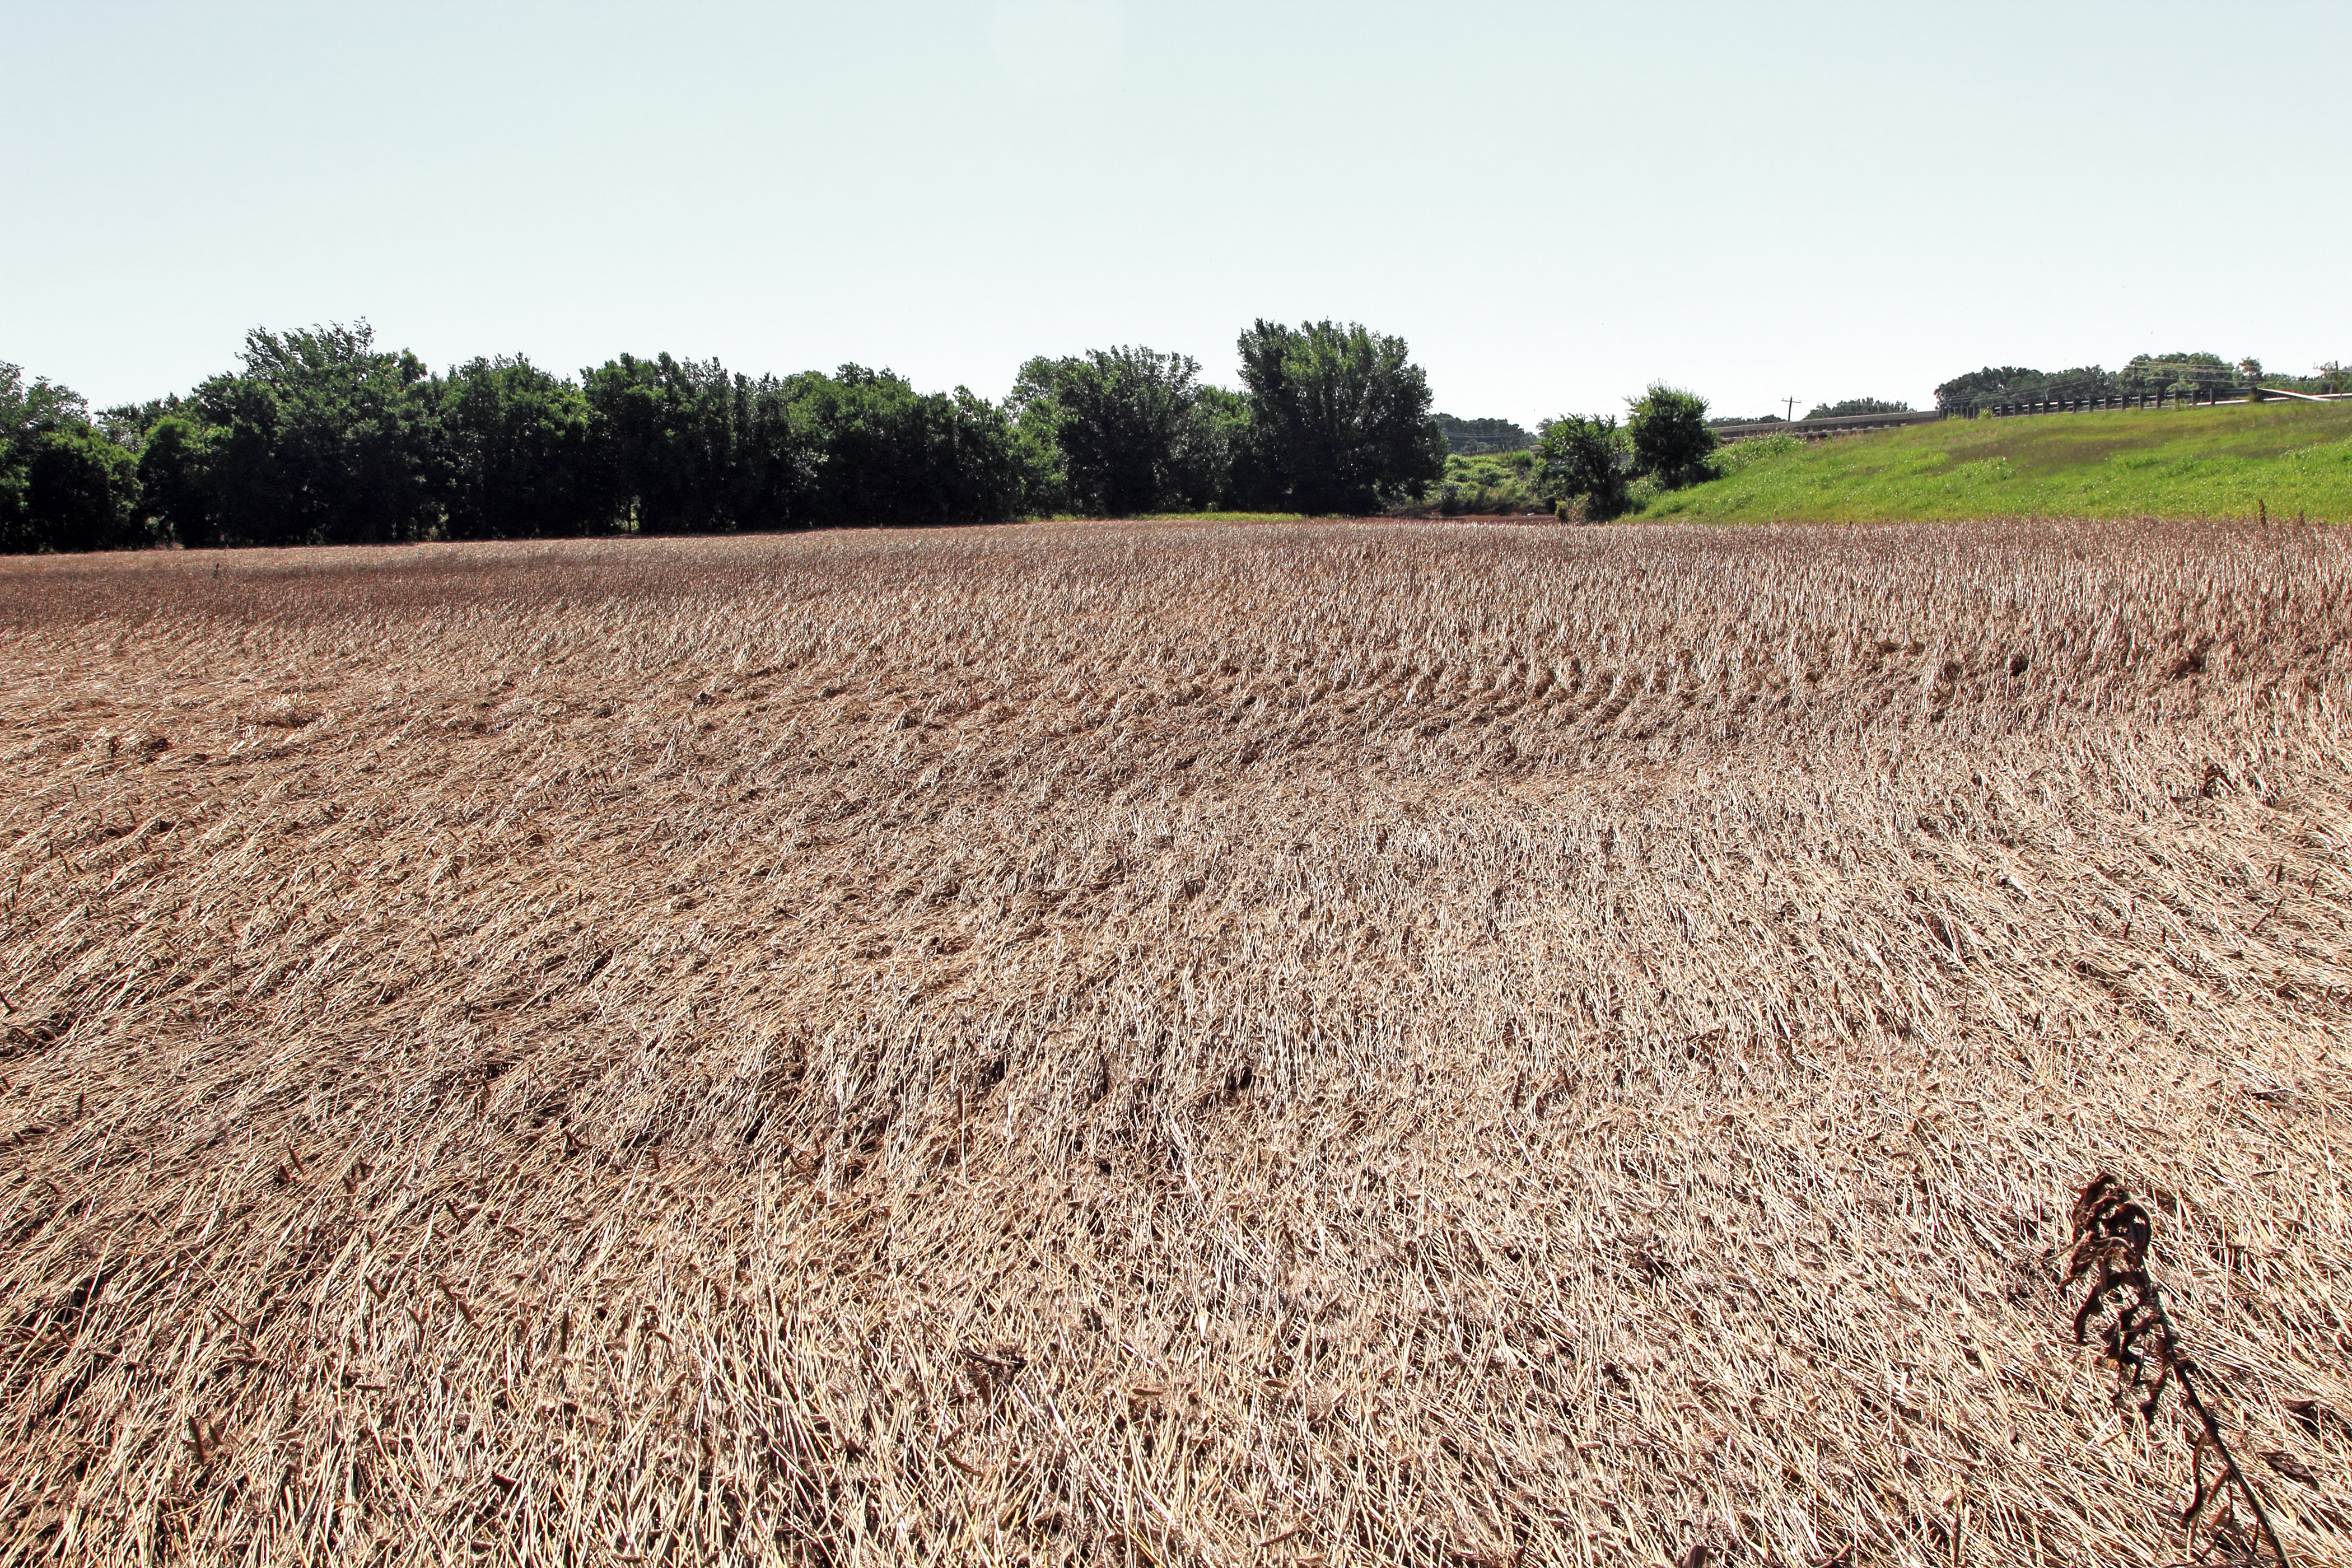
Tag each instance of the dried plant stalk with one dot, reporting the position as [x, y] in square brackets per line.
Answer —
[2112, 1231]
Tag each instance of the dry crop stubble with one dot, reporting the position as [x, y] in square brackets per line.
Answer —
[1164, 1044]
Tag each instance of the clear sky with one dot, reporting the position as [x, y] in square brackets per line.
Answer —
[1553, 204]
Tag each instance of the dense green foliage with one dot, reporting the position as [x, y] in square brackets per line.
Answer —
[1123, 431]
[320, 440]
[64, 485]
[320, 437]
[1991, 387]
[1851, 406]
[2178, 373]
[1486, 484]
[1585, 459]
[1962, 393]
[889, 454]
[1667, 442]
[1474, 438]
[1338, 419]
[2286, 459]
[523, 457]
[1670, 436]
[1738, 456]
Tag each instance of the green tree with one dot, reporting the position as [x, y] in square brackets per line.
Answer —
[1584, 458]
[1341, 416]
[519, 454]
[664, 431]
[691, 449]
[1978, 388]
[2177, 375]
[176, 464]
[1991, 387]
[63, 484]
[773, 480]
[80, 492]
[1125, 430]
[320, 438]
[1670, 436]
[1239, 461]
[889, 456]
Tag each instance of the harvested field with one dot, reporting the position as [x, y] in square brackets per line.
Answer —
[1169, 1044]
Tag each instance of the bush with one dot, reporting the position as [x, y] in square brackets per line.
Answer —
[1586, 459]
[1490, 483]
[1670, 436]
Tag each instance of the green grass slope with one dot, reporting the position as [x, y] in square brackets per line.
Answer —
[2295, 458]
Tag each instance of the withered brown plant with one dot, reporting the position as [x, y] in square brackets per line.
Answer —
[2112, 1231]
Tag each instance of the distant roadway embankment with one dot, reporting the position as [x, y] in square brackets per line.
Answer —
[2276, 459]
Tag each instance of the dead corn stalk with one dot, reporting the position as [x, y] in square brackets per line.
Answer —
[2111, 1234]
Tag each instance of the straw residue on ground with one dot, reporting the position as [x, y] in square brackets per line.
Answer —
[1163, 1044]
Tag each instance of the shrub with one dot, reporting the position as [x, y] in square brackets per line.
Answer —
[1490, 483]
[1670, 436]
[1585, 459]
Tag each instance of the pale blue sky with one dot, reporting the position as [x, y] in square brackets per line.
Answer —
[1553, 204]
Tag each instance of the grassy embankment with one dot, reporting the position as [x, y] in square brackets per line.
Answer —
[2295, 460]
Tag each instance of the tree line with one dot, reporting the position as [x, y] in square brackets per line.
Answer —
[2175, 375]
[318, 436]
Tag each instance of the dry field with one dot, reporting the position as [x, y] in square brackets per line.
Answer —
[1166, 1044]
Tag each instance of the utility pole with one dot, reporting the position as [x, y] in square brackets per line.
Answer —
[1793, 408]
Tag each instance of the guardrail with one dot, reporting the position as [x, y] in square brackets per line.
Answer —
[2208, 398]
[1852, 423]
